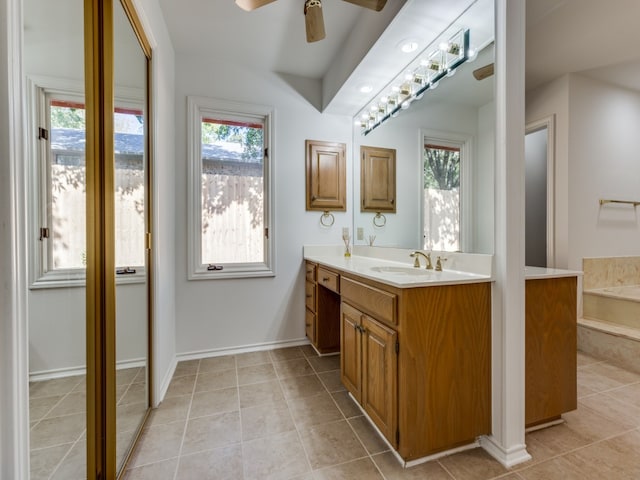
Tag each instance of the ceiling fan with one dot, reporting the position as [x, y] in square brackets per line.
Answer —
[313, 19]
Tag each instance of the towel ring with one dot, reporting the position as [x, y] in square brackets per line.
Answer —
[327, 219]
[379, 220]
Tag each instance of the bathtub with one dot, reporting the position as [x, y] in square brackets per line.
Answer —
[610, 323]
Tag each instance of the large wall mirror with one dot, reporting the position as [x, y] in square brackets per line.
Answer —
[54, 69]
[444, 146]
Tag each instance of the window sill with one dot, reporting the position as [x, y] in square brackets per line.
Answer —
[75, 280]
[231, 272]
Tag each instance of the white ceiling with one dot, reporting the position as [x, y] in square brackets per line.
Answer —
[595, 37]
[598, 38]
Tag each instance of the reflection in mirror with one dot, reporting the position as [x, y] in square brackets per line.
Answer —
[53, 62]
[130, 212]
[445, 156]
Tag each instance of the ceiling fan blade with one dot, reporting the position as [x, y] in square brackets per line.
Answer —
[249, 5]
[483, 72]
[314, 20]
[376, 5]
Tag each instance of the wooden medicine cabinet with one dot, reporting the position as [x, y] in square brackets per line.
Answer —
[377, 179]
[326, 175]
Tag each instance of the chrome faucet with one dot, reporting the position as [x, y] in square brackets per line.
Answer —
[416, 262]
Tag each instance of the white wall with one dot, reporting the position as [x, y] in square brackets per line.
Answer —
[164, 193]
[485, 183]
[596, 152]
[604, 146]
[214, 314]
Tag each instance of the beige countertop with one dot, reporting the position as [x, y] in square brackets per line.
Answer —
[394, 273]
[540, 273]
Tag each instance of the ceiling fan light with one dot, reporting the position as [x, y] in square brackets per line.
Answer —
[314, 20]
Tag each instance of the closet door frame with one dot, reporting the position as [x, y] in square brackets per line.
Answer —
[101, 288]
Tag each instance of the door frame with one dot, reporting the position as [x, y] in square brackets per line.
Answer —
[531, 127]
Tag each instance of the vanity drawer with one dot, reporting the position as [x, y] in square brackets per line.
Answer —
[310, 296]
[310, 269]
[376, 302]
[329, 279]
[310, 324]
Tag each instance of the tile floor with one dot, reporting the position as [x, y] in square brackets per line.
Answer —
[284, 414]
[57, 411]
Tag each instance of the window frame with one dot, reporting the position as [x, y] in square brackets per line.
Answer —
[465, 144]
[199, 108]
[39, 89]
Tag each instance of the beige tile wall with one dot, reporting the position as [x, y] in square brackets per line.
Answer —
[610, 272]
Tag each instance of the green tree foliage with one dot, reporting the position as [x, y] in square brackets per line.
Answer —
[441, 168]
[250, 138]
[68, 117]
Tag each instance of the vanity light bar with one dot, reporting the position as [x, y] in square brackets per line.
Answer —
[423, 74]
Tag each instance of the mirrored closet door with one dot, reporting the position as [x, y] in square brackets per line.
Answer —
[86, 69]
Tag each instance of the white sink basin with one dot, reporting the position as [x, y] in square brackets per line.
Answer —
[403, 270]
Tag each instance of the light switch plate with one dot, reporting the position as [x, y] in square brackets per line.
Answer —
[360, 233]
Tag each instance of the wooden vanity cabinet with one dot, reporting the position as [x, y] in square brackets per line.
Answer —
[369, 368]
[550, 349]
[417, 360]
[322, 308]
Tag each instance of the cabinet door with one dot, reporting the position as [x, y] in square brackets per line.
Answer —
[378, 180]
[380, 376]
[310, 325]
[351, 350]
[326, 175]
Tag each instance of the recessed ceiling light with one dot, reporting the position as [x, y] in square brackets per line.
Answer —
[366, 89]
[408, 46]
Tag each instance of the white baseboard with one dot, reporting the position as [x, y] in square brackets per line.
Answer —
[256, 347]
[507, 457]
[75, 371]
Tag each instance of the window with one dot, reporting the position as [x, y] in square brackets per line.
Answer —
[444, 188]
[60, 220]
[230, 158]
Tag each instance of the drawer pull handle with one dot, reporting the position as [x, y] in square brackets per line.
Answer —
[309, 296]
[325, 279]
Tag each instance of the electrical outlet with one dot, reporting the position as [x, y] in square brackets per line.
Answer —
[360, 233]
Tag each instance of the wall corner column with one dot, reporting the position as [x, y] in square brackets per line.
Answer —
[507, 442]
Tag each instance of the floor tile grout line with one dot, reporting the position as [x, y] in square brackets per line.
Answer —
[446, 470]
[577, 449]
[295, 426]
[186, 423]
[66, 455]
